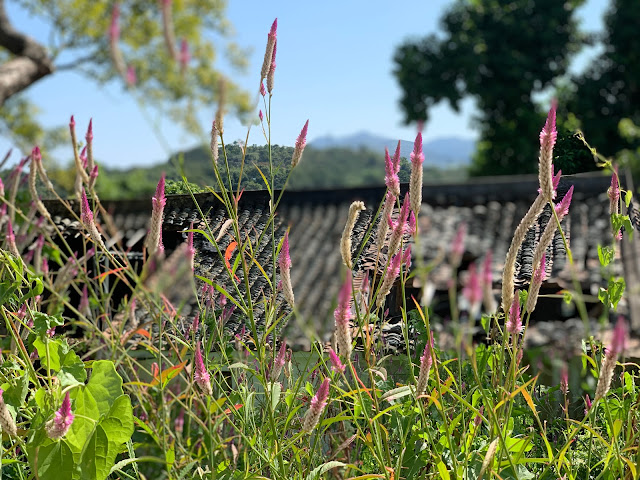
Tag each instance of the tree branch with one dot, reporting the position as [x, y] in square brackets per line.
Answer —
[32, 60]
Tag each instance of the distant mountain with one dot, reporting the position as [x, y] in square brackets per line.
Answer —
[444, 152]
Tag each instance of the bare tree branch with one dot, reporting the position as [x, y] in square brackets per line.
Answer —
[32, 62]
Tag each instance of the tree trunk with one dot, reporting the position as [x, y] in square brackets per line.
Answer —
[31, 61]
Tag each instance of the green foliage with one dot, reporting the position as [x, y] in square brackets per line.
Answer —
[80, 41]
[499, 56]
[608, 91]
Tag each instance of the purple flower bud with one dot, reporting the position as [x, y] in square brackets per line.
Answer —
[260, 116]
[564, 380]
[562, 208]
[472, 291]
[478, 419]
[391, 178]
[263, 91]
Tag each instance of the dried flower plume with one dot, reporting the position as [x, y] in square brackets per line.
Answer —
[415, 182]
[268, 54]
[548, 137]
[7, 423]
[342, 315]
[345, 241]
[158, 203]
[284, 260]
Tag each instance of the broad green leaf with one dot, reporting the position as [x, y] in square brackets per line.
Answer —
[87, 414]
[55, 461]
[52, 359]
[105, 385]
[43, 322]
[106, 442]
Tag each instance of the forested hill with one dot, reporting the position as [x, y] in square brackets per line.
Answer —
[326, 168]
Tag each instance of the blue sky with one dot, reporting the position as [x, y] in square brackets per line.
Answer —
[334, 67]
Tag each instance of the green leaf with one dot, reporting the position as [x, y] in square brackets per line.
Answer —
[274, 389]
[616, 290]
[105, 385]
[324, 468]
[50, 358]
[605, 254]
[628, 196]
[55, 461]
[107, 440]
[43, 322]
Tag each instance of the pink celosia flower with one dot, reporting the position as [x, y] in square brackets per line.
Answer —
[318, 402]
[562, 208]
[284, 260]
[279, 362]
[271, 41]
[587, 403]
[86, 215]
[300, 144]
[406, 258]
[391, 178]
[403, 226]
[564, 380]
[263, 91]
[59, 426]
[383, 226]
[514, 324]
[272, 68]
[336, 365]
[260, 116]
[457, 246]
[11, 239]
[426, 361]
[83, 307]
[472, 291]
[158, 203]
[342, 315]
[195, 325]
[93, 176]
[200, 374]
[548, 137]
[7, 423]
[415, 182]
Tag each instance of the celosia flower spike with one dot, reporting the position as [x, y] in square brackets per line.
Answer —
[201, 375]
[342, 315]
[336, 364]
[114, 26]
[279, 362]
[158, 203]
[548, 137]
[318, 402]
[58, 427]
[426, 361]
[263, 91]
[7, 423]
[383, 226]
[89, 138]
[131, 77]
[345, 242]
[271, 41]
[562, 208]
[300, 144]
[190, 248]
[618, 344]
[391, 178]
[472, 291]
[214, 142]
[392, 273]
[415, 182]
[284, 260]
[272, 68]
[260, 116]
[457, 246]
[514, 324]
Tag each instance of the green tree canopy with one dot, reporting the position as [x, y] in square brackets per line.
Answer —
[500, 53]
[167, 46]
[609, 90]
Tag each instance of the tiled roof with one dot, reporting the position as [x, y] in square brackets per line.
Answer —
[491, 209]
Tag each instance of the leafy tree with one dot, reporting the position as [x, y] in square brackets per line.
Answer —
[500, 53]
[160, 50]
[609, 90]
